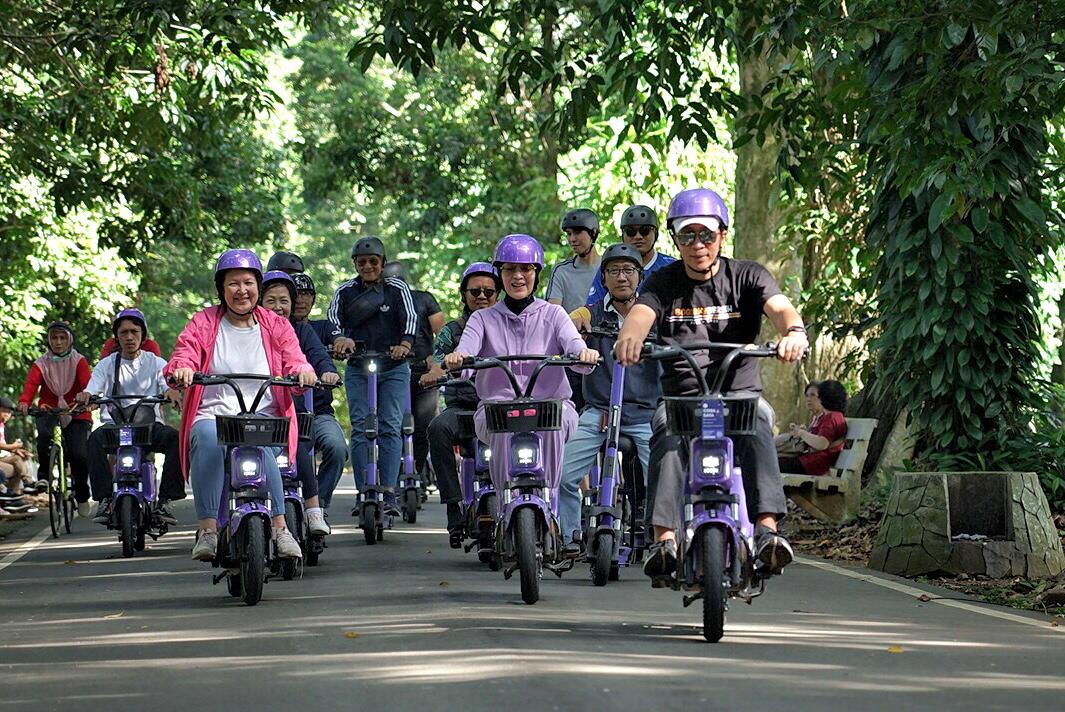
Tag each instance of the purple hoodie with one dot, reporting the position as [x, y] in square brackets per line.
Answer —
[542, 328]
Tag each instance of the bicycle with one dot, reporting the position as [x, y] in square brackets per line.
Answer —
[61, 501]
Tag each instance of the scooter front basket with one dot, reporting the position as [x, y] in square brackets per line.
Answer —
[305, 423]
[251, 430]
[684, 415]
[142, 435]
[523, 416]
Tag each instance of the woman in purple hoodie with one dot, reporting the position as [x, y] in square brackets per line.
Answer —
[522, 324]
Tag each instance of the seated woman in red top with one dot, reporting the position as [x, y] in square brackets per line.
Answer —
[819, 445]
[54, 380]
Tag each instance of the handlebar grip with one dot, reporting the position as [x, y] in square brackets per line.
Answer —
[469, 362]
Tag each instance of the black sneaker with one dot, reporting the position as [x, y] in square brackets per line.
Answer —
[392, 504]
[661, 561]
[772, 549]
[456, 525]
[41, 486]
[102, 515]
[163, 513]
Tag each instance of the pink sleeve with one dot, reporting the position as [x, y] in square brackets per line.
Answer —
[188, 350]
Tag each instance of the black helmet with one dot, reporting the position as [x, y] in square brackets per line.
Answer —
[285, 261]
[6, 403]
[304, 284]
[621, 251]
[369, 245]
[396, 269]
[639, 215]
[582, 218]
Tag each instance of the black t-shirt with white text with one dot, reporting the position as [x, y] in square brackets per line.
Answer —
[727, 308]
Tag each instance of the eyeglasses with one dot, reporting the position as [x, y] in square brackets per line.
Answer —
[707, 237]
[644, 230]
[617, 271]
[486, 292]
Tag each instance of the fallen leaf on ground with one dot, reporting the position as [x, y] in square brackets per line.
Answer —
[924, 598]
[444, 584]
[1054, 624]
[351, 634]
[113, 616]
[895, 649]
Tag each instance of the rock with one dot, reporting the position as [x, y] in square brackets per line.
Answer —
[1053, 597]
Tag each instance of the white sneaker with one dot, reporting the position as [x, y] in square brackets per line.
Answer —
[287, 546]
[84, 510]
[205, 546]
[317, 525]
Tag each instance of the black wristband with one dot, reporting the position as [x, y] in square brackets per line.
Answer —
[798, 329]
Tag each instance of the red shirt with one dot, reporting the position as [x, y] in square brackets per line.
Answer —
[35, 381]
[146, 345]
[832, 427]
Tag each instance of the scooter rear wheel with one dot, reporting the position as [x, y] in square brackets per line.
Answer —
[410, 505]
[602, 557]
[127, 526]
[525, 541]
[253, 561]
[368, 522]
[712, 560]
[293, 521]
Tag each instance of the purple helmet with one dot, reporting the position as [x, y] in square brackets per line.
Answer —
[133, 314]
[696, 202]
[479, 268]
[519, 249]
[273, 277]
[236, 259]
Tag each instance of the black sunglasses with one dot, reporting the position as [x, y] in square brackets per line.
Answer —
[644, 231]
[486, 292]
[707, 237]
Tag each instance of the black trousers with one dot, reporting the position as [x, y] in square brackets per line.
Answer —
[164, 440]
[757, 456]
[442, 433]
[75, 447]
[423, 406]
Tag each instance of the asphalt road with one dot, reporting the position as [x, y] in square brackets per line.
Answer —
[410, 624]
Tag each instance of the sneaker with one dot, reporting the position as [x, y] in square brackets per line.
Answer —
[163, 513]
[84, 510]
[455, 525]
[287, 546]
[206, 545]
[772, 549]
[391, 504]
[661, 560]
[102, 515]
[41, 486]
[317, 525]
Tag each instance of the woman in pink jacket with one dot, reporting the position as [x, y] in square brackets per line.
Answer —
[522, 324]
[237, 336]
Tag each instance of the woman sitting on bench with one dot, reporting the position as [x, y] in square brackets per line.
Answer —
[813, 450]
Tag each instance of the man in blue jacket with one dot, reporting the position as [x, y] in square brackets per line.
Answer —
[379, 312]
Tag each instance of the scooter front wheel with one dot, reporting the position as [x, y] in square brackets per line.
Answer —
[525, 541]
[712, 560]
[602, 557]
[127, 526]
[368, 522]
[253, 561]
[410, 505]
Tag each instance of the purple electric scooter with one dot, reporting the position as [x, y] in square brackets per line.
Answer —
[715, 543]
[527, 533]
[133, 481]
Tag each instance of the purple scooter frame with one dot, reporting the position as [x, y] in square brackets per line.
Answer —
[715, 543]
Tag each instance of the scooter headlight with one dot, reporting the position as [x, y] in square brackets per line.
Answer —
[282, 461]
[126, 462]
[249, 468]
[711, 466]
[525, 456]
[372, 367]
[487, 453]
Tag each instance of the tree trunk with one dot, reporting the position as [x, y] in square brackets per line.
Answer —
[549, 157]
[1058, 374]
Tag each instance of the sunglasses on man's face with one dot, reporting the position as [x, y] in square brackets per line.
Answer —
[707, 237]
[643, 230]
[486, 292]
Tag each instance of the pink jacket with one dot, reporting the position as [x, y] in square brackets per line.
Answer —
[195, 347]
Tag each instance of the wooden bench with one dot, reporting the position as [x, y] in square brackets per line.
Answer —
[835, 497]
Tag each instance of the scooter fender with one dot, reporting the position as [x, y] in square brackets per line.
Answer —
[703, 518]
[125, 491]
[246, 513]
[543, 515]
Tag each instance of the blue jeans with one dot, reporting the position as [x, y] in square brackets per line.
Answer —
[330, 445]
[392, 389]
[207, 472]
[578, 457]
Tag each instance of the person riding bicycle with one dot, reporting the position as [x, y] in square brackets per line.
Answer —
[478, 288]
[378, 311]
[236, 336]
[523, 324]
[279, 293]
[55, 379]
[330, 444]
[423, 400]
[708, 297]
[622, 269]
[132, 371]
[639, 228]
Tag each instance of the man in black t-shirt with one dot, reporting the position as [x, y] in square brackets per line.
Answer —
[707, 297]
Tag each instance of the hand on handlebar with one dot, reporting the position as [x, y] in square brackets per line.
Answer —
[582, 319]
[399, 352]
[433, 375]
[627, 350]
[343, 346]
[83, 397]
[24, 408]
[453, 361]
[792, 347]
[590, 356]
[330, 379]
[182, 377]
[307, 378]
